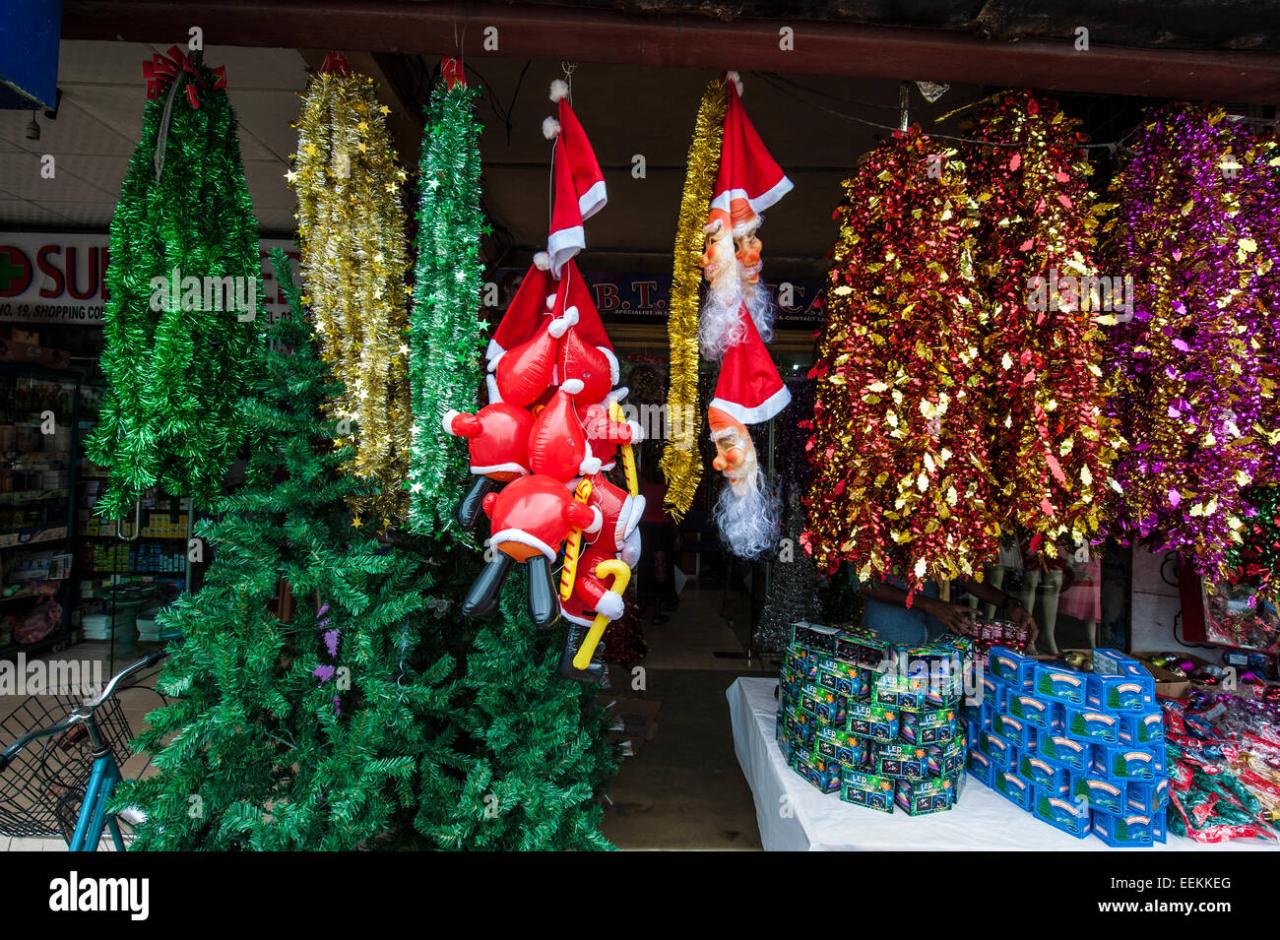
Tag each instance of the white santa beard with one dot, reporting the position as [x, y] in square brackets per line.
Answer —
[748, 515]
[720, 324]
[756, 297]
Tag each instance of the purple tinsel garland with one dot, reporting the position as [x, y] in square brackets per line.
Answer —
[1190, 361]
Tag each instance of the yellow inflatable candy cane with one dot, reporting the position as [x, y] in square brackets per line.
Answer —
[621, 577]
[573, 545]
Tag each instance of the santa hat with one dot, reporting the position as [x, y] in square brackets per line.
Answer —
[579, 190]
[749, 180]
[749, 388]
[524, 315]
[574, 291]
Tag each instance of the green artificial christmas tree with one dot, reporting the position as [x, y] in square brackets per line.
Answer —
[185, 287]
[446, 331]
[375, 716]
[536, 747]
[321, 732]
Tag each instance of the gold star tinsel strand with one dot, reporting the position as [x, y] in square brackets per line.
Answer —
[901, 483]
[1052, 446]
[681, 463]
[351, 233]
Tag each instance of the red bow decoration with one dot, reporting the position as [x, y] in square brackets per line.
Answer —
[453, 72]
[162, 70]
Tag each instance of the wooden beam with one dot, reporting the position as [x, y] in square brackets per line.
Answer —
[605, 36]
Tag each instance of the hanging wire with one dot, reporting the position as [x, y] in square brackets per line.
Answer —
[1111, 145]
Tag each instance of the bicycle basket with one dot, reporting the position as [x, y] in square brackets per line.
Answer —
[45, 784]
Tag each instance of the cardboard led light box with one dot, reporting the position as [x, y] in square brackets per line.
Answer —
[1073, 755]
[1128, 762]
[1102, 795]
[823, 772]
[1061, 813]
[823, 704]
[872, 721]
[1013, 788]
[1012, 667]
[1121, 693]
[1051, 778]
[869, 790]
[844, 678]
[1061, 683]
[908, 761]
[1149, 798]
[1044, 716]
[1000, 749]
[1134, 829]
[946, 758]
[981, 767]
[1015, 730]
[921, 797]
[935, 726]
[1142, 727]
[846, 749]
[1087, 724]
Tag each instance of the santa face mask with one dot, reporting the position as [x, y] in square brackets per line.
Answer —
[747, 512]
[748, 255]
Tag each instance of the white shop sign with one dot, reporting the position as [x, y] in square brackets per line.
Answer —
[60, 278]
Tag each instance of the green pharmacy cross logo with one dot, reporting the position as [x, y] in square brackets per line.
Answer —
[15, 271]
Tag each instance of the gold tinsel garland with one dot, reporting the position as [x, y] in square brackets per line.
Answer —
[680, 459]
[351, 234]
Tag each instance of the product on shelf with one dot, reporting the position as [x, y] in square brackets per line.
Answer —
[877, 723]
[1082, 751]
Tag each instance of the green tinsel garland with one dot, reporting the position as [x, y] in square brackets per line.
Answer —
[174, 375]
[446, 331]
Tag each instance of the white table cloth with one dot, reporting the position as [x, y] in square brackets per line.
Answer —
[794, 816]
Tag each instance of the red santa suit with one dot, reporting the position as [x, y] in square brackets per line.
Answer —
[617, 537]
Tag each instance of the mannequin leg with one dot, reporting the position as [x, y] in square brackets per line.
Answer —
[995, 577]
[1030, 587]
[1049, 604]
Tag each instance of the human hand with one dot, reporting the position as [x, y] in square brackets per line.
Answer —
[955, 617]
[1022, 617]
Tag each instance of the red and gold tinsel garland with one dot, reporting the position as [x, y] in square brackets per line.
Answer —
[901, 480]
[1051, 445]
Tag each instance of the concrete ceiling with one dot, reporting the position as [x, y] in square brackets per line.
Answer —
[628, 111]
[99, 121]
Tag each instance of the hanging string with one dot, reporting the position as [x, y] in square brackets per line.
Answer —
[1111, 145]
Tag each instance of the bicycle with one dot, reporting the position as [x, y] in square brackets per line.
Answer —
[50, 787]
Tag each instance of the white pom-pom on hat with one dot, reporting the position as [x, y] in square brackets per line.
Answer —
[550, 128]
[572, 386]
[559, 89]
[542, 261]
[733, 76]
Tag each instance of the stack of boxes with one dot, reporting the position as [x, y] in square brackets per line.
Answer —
[878, 724]
[1082, 751]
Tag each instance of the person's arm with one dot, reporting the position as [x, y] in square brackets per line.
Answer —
[953, 616]
[1008, 605]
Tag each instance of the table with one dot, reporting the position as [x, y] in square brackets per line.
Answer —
[794, 816]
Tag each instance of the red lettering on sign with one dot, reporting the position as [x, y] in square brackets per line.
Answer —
[73, 275]
[50, 270]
